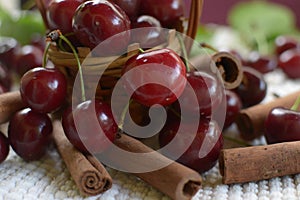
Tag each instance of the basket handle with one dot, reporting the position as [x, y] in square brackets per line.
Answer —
[194, 18]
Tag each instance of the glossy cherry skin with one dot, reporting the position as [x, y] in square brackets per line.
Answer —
[282, 125]
[155, 77]
[208, 91]
[131, 7]
[168, 12]
[263, 64]
[191, 158]
[253, 88]
[5, 77]
[97, 21]
[284, 43]
[4, 147]
[60, 14]
[233, 107]
[289, 62]
[84, 135]
[30, 134]
[9, 48]
[43, 90]
[148, 33]
[28, 58]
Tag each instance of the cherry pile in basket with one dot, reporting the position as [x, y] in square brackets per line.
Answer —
[87, 23]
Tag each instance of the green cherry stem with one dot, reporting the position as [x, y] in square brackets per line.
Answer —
[123, 115]
[45, 57]
[296, 104]
[78, 64]
[55, 36]
[184, 52]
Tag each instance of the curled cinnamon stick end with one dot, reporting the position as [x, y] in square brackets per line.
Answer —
[228, 66]
[175, 180]
[88, 173]
[250, 121]
[240, 165]
[230, 69]
[10, 102]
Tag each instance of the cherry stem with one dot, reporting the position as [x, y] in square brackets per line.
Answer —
[184, 52]
[141, 50]
[78, 64]
[123, 115]
[208, 46]
[45, 54]
[296, 104]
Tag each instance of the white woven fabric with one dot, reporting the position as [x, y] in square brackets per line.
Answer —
[49, 179]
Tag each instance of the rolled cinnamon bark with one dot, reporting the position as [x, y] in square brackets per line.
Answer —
[175, 180]
[88, 173]
[250, 121]
[229, 67]
[239, 165]
[10, 102]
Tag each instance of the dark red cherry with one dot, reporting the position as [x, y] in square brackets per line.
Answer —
[283, 43]
[289, 62]
[203, 153]
[263, 64]
[60, 14]
[28, 57]
[95, 22]
[4, 147]
[90, 127]
[9, 48]
[253, 88]
[43, 89]
[155, 77]
[30, 134]
[168, 12]
[282, 125]
[148, 33]
[5, 77]
[131, 7]
[208, 91]
[233, 107]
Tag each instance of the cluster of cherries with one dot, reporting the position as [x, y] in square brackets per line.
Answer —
[88, 23]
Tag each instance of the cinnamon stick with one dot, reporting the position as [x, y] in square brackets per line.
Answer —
[175, 180]
[229, 67]
[10, 102]
[88, 173]
[250, 121]
[239, 165]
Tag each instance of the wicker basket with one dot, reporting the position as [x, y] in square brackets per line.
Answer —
[112, 65]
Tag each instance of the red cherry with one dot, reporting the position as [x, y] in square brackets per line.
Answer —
[263, 64]
[95, 22]
[4, 147]
[131, 7]
[208, 132]
[155, 77]
[85, 135]
[9, 48]
[289, 62]
[148, 32]
[168, 12]
[253, 88]
[208, 91]
[44, 90]
[60, 14]
[282, 125]
[284, 43]
[28, 58]
[233, 107]
[29, 134]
